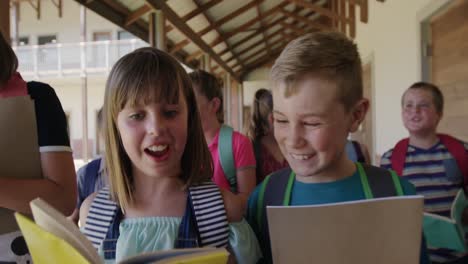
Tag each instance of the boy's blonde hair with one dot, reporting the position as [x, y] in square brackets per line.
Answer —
[143, 76]
[327, 55]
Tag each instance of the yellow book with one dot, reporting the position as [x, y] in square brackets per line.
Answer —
[52, 238]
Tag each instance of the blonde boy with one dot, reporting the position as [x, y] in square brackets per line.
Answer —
[317, 99]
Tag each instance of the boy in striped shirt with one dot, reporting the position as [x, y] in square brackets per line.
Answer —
[428, 163]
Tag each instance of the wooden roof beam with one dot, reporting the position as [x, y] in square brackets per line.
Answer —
[253, 45]
[253, 34]
[189, 33]
[305, 20]
[194, 56]
[137, 14]
[229, 17]
[320, 10]
[197, 11]
[249, 23]
[293, 28]
[259, 12]
[364, 7]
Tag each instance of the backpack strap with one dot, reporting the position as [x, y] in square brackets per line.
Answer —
[399, 156]
[226, 156]
[272, 192]
[378, 182]
[101, 215]
[90, 177]
[257, 146]
[457, 149]
[210, 215]
[359, 154]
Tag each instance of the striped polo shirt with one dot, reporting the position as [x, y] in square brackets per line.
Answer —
[436, 176]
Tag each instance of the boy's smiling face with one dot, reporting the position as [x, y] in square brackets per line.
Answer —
[419, 113]
[311, 127]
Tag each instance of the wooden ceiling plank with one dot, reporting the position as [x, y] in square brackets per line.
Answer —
[364, 8]
[200, 9]
[179, 46]
[308, 22]
[194, 56]
[228, 17]
[188, 32]
[196, 12]
[293, 28]
[137, 14]
[210, 20]
[319, 9]
[252, 35]
[251, 22]
[259, 12]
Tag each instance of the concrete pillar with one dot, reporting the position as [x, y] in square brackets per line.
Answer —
[84, 85]
[157, 32]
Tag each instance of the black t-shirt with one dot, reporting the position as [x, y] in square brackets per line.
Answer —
[51, 120]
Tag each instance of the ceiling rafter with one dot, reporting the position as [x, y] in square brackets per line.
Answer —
[188, 32]
[253, 34]
[228, 17]
[305, 20]
[198, 11]
[185, 42]
[131, 18]
[250, 23]
[259, 12]
[320, 10]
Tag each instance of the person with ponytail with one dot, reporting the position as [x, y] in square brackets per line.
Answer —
[260, 131]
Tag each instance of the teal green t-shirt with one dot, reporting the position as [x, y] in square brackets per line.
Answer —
[343, 190]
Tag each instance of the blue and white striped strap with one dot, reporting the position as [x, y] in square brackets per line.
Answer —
[210, 215]
[100, 217]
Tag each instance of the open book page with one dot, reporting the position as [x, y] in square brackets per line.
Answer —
[52, 238]
[20, 156]
[444, 232]
[45, 247]
[182, 256]
[54, 222]
[365, 232]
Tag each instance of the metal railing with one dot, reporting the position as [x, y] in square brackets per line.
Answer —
[73, 59]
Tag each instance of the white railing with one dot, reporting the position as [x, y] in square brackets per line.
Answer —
[73, 59]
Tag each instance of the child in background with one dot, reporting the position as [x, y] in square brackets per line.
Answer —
[159, 168]
[318, 101]
[234, 169]
[427, 159]
[260, 130]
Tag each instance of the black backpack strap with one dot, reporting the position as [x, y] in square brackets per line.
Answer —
[382, 182]
[271, 193]
[359, 153]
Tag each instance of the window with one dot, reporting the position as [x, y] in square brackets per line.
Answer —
[23, 41]
[125, 35]
[46, 39]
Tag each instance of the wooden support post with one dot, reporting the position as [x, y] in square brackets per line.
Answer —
[5, 19]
